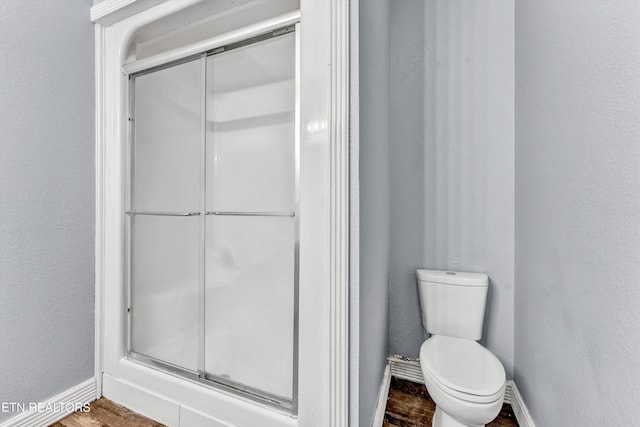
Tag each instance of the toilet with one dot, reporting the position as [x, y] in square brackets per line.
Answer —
[464, 379]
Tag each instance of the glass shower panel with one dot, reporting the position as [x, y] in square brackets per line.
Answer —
[164, 295]
[249, 298]
[165, 250]
[168, 126]
[250, 229]
[250, 128]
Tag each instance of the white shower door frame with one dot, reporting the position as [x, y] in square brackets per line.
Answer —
[323, 275]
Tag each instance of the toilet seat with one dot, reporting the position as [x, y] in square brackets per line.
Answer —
[463, 369]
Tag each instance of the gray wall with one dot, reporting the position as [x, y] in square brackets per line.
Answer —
[578, 211]
[46, 198]
[451, 158]
[411, 41]
[374, 200]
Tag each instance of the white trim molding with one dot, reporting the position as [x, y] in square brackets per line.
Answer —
[339, 228]
[99, 206]
[109, 12]
[378, 418]
[81, 394]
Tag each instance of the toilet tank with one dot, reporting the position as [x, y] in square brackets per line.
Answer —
[452, 302]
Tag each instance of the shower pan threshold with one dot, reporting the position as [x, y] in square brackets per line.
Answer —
[217, 383]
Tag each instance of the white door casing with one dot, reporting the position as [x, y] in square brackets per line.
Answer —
[323, 293]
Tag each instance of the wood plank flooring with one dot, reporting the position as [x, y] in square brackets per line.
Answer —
[105, 413]
[409, 405]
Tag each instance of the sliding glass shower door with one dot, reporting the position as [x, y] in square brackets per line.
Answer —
[165, 187]
[250, 184]
[212, 266]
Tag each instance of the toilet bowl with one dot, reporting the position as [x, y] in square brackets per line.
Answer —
[464, 379]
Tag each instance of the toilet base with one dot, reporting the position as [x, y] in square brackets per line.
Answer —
[442, 419]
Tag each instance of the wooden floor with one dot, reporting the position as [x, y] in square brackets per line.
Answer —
[409, 405]
[105, 413]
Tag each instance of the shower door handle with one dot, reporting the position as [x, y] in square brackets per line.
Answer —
[222, 213]
[133, 213]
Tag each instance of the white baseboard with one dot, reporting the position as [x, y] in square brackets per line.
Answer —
[519, 409]
[378, 419]
[405, 368]
[409, 369]
[508, 392]
[82, 394]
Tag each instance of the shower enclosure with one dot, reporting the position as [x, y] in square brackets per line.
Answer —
[222, 211]
[212, 209]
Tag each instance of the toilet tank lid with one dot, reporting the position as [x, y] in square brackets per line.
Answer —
[453, 277]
